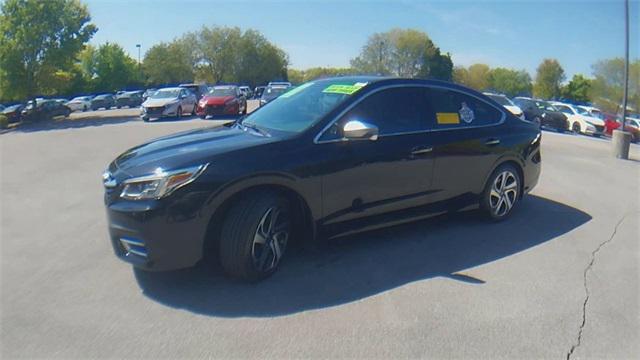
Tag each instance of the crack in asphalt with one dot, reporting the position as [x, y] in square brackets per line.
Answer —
[586, 287]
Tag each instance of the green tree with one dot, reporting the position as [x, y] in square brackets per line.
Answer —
[607, 87]
[510, 82]
[167, 63]
[405, 53]
[577, 89]
[114, 69]
[475, 77]
[549, 76]
[39, 40]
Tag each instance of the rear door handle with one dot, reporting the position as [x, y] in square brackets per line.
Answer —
[492, 142]
[421, 150]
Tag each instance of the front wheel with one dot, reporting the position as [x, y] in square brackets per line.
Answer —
[501, 193]
[576, 128]
[255, 235]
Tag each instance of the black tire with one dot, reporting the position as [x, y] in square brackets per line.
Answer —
[244, 112]
[242, 255]
[203, 117]
[495, 200]
[84, 108]
[576, 128]
[179, 113]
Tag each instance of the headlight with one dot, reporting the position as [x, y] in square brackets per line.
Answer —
[160, 184]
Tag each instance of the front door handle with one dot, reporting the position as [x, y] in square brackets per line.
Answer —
[421, 150]
[492, 142]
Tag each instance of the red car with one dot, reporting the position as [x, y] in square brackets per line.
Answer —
[222, 100]
[611, 122]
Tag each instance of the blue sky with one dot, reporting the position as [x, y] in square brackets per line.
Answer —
[514, 34]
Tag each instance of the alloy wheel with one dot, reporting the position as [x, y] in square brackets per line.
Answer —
[504, 192]
[270, 239]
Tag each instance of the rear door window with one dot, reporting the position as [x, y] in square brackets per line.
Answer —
[453, 109]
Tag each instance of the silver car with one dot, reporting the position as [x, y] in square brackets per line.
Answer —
[168, 102]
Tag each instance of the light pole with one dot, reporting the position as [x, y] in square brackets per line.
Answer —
[622, 138]
[139, 63]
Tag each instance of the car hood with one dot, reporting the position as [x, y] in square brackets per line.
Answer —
[185, 149]
[216, 100]
[159, 102]
[593, 120]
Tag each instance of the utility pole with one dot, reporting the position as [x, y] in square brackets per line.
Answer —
[622, 138]
[380, 67]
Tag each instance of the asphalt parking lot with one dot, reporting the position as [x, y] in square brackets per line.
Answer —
[560, 278]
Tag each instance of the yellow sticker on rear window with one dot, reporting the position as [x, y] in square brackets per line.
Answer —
[343, 89]
[448, 118]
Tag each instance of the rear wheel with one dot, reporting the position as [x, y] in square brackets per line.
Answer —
[84, 108]
[255, 235]
[501, 193]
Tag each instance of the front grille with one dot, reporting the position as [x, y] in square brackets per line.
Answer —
[214, 110]
[133, 246]
[599, 128]
[155, 110]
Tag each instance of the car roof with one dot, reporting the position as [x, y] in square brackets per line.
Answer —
[171, 88]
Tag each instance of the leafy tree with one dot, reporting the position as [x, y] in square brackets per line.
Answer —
[475, 77]
[577, 89]
[113, 69]
[296, 76]
[510, 82]
[300, 76]
[607, 88]
[39, 40]
[167, 63]
[549, 76]
[405, 53]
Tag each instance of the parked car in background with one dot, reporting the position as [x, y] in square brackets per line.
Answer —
[257, 92]
[148, 93]
[246, 91]
[543, 113]
[62, 101]
[13, 112]
[80, 103]
[169, 102]
[340, 155]
[580, 121]
[129, 99]
[222, 100]
[508, 104]
[279, 83]
[103, 101]
[197, 89]
[44, 110]
[591, 111]
[632, 126]
[272, 92]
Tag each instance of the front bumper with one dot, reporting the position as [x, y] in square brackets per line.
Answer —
[156, 112]
[158, 235]
[213, 110]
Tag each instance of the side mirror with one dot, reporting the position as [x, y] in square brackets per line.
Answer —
[359, 130]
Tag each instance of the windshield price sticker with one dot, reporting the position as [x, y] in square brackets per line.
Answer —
[343, 89]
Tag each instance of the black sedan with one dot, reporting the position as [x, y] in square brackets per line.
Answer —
[331, 157]
[542, 113]
[129, 99]
[44, 110]
[106, 101]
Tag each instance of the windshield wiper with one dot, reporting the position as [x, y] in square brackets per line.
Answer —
[254, 127]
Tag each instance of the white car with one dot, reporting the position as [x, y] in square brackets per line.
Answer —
[591, 111]
[580, 120]
[80, 103]
[169, 102]
[507, 104]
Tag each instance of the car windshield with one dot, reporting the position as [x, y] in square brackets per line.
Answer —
[502, 100]
[299, 108]
[166, 94]
[12, 108]
[222, 91]
[273, 92]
